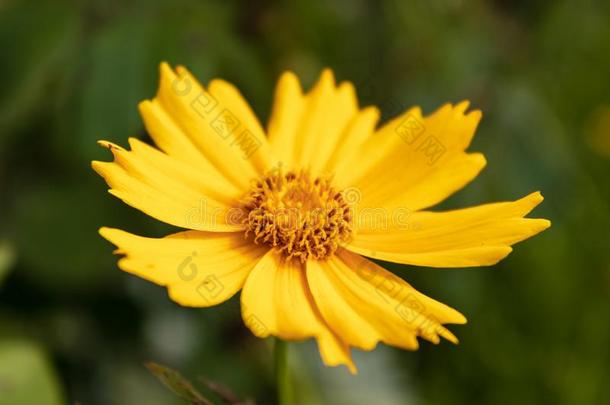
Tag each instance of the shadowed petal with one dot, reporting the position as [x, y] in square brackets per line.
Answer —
[276, 301]
[170, 190]
[365, 304]
[414, 161]
[199, 269]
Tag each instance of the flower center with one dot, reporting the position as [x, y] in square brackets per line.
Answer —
[302, 217]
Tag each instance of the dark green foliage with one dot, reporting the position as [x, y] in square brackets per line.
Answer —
[73, 72]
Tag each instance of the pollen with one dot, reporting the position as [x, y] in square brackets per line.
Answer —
[300, 216]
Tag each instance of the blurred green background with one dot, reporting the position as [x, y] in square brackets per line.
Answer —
[75, 329]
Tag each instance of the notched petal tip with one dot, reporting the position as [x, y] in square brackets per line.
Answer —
[184, 301]
[416, 109]
[531, 201]
[289, 79]
[166, 76]
[462, 106]
[111, 234]
[325, 82]
[536, 196]
[116, 150]
[347, 86]
[133, 141]
[106, 231]
[181, 70]
[372, 110]
[101, 168]
[327, 75]
[475, 115]
[479, 158]
[444, 108]
[144, 105]
[349, 364]
[109, 145]
[503, 252]
[543, 224]
[218, 84]
[164, 67]
[289, 75]
[459, 318]
[526, 204]
[450, 337]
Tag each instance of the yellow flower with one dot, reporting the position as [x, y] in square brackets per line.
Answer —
[284, 214]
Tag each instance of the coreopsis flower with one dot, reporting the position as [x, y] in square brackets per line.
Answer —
[288, 214]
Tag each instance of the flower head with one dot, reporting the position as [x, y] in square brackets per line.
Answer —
[300, 217]
[287, 215]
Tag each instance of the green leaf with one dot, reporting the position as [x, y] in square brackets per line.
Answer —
[224, 393]
[177, 384]
[26, 376]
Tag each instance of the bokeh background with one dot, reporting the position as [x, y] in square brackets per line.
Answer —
[75, 329]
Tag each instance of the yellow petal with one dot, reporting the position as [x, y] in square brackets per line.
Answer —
[276, 301]
[365, 304]
[207, 183]
[169, 190]
[199, 269]
[359, 128]
[254, 144]
[217, 121]
[414, 161]
[305, 130]
[476, 236]
[286, 113]
[392, 189]
[171, 139]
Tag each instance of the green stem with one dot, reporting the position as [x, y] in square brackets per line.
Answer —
[285, 394]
